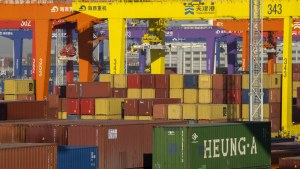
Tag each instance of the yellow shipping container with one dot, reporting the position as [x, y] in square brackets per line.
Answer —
[204, 81]
[131, 117]
[107, 78]
[134, 93]
[10, 97]
[296, 85]
[176, 81]
[175, 111]
[176, 93]
[266, 83]
[62, 115]
[233, 112]
[245, 111]
[205, 96]
[145, 118]
[278, 68]
[108, 117]
[120, 81]
[108, 106]
[148, 93]
[87, 117]
[189, 111]
[212, 111]
[190, 95]
[245, 81]
[275, 81]
[294, 93]
[19, 87]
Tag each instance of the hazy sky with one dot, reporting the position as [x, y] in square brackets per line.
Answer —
[6, 47]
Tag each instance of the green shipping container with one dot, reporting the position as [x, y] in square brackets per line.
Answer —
[212, 146]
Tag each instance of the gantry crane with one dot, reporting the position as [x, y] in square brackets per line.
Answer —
[117, 11]
[43, 13]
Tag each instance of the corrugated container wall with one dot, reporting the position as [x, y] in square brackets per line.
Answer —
[162, 81]
[134, 81]
[28, 156]
[120, 81]
[88, 89]
[19, 87]
[234, 82]
[73, 106]
[134, 93]
[120, 93]
[77, 157]
[107, 78]
[162, 93]
[247, 145]
[219, 81]
[176, 81]
[190, 81]
[148, 81]
[205, 81]
[11, 133]
[87, 106]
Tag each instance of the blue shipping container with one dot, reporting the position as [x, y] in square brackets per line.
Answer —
[77, 157]
[190, 81]
[246, 97]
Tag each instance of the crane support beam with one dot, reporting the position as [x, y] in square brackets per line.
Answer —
[43, 32]
[286, 118]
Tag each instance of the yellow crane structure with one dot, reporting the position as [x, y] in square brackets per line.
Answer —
[116, 11]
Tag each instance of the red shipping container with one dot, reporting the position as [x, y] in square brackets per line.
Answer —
[162, 93]
[162, 81]
[52, 113]
[296, 68]
[289, 162]
[11, 133]
[134, 81]
[148, 81]
[234, 82]
[275, 124]
[131, 107]
[298, 93]
[73, 106]
[60, 91]
[26, 97]
[28, 156]
[146, 107]
[234, 97]
[120, 93]
[88, 89]
[274, 95]
[296, 77]
[274, 110]
[87, 106]
[160, 111]
[53, 101]
[219, 81]
[219, 97]
[63, 105]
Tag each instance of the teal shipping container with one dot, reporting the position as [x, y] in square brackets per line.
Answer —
[77, 157]
[212, 146]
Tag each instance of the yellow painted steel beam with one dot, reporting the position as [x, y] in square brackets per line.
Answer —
[286, 117]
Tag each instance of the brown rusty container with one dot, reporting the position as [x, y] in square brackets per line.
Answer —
[219, 81]
[28, 156]
[53, 101]
[73, 106]
[18, 110]
[162, 81]
[274, 95]
[234, 96]
[26, 97]
[234, 82]
[160, 111]
[289, 162]
[87, 106]
[134, 81]
[52, 113]
[120, 93]
[298, 92]
[88, 89]
[148, 81]
[265, 67]
[296, 114]
[275, 110]
[296, 76]
[282, 150]
[11, 133]
[275, 124]
[145, 107]
[121, 144]
[219, 96]
[131, 107]
[162, 93]
[61, 91]
[62, 104]
[1, 96]
[296, 67]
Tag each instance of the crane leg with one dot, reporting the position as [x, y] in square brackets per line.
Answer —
[210, 43]
[116, 45]
[85, 35]
[286, 114]
[18, 48]
[245, 52]
[33, 57]
[43, 32]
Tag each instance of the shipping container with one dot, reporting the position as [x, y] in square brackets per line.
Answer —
[107, 78]
[219, 81]
[219, 96]
[234, 82]
[73, 106]
[120, 93]
[162, 93]
[1, 96]
[275, 124]
[295, 85]
[212, 146]
[131, 107]
[245, 81]
[63, 104]
[11, 133]
[205, 81]
[176, 93]
[265, 67]
[107, 106]
[134, 93]
[175, 111]
[148, 81]
[77, 157]
[148, 93]
[87, 106]
[160, 111]
[162, 81]
[234, 112]
[296, 76]
[189, 111]
[296, 68]
[28, 156]
[212, 112]
[190, 95]
[275, 81]
[275, 110]
[134, 81]
[61, 91]
[278, 68]
[190, 81]
[274, 95]
[205, 96]
[145, 107]
[88, 89]
[246, 97]
[53, 101]
[21, 97]
[176, 81]
[25, 86]
[19, 110]
[120, 81]
[289, 162]
[234, 96]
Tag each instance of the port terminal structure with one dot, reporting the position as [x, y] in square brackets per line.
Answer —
[116, 11]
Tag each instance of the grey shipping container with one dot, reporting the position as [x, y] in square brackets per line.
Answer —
[212, 146]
